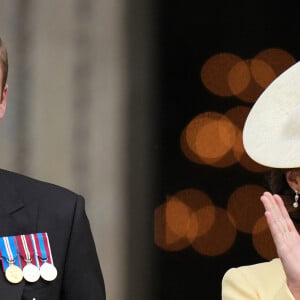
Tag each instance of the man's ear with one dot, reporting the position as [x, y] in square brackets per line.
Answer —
[3, 101]
[293, 179]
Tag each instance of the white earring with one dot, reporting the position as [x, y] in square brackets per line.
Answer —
[296, 204]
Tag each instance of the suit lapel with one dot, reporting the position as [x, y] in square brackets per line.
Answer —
[10, 291]
[16, 217]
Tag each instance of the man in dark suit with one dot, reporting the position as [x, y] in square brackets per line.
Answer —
[31, 206]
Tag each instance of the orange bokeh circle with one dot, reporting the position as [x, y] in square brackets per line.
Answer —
[239, 77]
[238, 116]
[262, 73]
[278, 59]
[201, 222]
[164, 237]
[262, 240]
[219, 238]
[185, 216]
[202, 215]
[214, 73]
[245, 206]
[226, 74]
[208, 137]
[177, 216]
[215, 137]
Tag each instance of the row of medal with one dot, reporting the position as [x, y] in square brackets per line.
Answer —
[27, 257]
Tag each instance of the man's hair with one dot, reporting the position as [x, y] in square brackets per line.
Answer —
[3, 63]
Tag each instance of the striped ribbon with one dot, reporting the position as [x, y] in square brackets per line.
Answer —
[9, 252]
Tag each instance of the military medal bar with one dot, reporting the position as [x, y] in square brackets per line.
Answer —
[47, 269]
[30, 270]
[27, 256]
[10, 260]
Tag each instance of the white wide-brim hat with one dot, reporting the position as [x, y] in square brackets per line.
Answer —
[271, 133]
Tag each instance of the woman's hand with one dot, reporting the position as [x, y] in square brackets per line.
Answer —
[286, 239]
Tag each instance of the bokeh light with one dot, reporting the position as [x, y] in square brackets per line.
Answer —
[215, 139]
[253, 90]
[164, 237]
[208, 138]
[202, 216]
[226, 74]
[214, 73]
[215, 136]
[262, 72]
[185, 216]
[219, 238]
[278, 59]
[201, 221]
[238, 116]
[193, 198]
[185, 148]
[262, 239]
[239, 77]
[225, 161]
[177, 216]
[189, 217]
[245, 207]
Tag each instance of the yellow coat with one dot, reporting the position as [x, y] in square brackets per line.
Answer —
[264, 281]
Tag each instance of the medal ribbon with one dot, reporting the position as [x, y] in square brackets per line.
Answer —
[43, 247]
[48, 248]
[8, 249]
[26, 249]
[35, 250]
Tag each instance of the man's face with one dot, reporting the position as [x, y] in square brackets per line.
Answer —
[2, 96]
[1, 75]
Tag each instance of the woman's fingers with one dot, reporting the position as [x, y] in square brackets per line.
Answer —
[285, 215]
[276, 231]
[285, 236]
[277, 216]
[267, 200]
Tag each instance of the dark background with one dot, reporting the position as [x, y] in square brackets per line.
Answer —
[189, 33]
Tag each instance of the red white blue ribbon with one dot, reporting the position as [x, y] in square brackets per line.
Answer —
[9, 252]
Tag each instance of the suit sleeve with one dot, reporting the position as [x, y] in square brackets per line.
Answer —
[82, 278]
[235, 286]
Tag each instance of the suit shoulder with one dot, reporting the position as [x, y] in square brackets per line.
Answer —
[36, 188]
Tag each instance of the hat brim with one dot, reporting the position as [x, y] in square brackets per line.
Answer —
[271, 133]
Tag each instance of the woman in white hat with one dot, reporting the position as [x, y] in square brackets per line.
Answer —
[271, 137]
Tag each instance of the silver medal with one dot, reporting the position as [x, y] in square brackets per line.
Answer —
[48, 271]
[31, 273]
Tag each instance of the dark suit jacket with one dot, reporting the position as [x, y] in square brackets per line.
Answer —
[30, 206]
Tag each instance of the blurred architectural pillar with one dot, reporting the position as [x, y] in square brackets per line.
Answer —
[66, 117]
[143, 95]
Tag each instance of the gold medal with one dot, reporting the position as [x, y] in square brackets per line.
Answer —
[13, 274]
